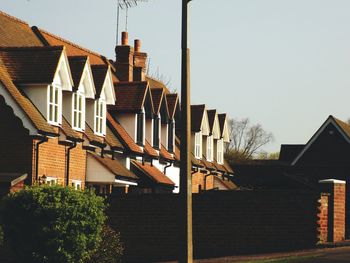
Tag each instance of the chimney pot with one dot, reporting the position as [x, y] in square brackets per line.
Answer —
[125, 38]
[137, 45]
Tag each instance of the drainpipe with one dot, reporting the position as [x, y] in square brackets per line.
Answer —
[41, 140]
[72, 146]
[167, 166]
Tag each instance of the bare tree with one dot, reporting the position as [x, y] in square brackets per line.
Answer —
[246, 139]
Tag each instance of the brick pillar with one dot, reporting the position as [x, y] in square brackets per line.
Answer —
[323, 218]
[336, 208]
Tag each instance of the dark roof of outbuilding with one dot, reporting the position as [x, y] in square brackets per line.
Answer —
[28, 65]
[289, 152]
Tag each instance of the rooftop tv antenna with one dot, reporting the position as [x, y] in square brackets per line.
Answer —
[125, 5]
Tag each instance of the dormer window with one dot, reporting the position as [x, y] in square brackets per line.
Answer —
[171, 136]
[198, 145]
[156, 129]
[140, 128]
[78, 111]
[54, 103]
[100, 117]
[210, 148]
[220, 151]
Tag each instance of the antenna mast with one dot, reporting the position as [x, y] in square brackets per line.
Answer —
[125, 5]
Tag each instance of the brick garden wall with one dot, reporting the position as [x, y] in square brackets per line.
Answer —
[224, 223]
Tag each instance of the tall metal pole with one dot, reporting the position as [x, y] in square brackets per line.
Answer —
[185, 211]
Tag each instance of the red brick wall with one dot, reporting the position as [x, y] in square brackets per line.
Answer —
[77, 165]
[198, 182]
[323, 218]
[224, 223]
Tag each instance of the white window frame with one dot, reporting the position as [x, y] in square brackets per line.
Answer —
[210, 148]
[198, 145]
[51, 180]
[100, 117]
[76, 184]
[54, 104]
[220, 151]
[78, 109]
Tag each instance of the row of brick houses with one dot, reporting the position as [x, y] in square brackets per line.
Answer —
[71, 116]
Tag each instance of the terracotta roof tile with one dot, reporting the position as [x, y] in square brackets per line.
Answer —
[165, 154]
[123, 136]
[156, 84]
[211, 119]
[228, 184]
[207, 164]
[31, 64]
[14, 32]
[344, 126]
[150, 150]
[172, 100]
[153, 173]
[112, 140]
[157, 97]
[130, 97]
[71, 48]
[115, 167]
[197, 112]
[77, 65]
[28, 107]
[92, 137]
[68, 130]
[195, 161]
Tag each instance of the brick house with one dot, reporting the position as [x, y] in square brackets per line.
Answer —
[75, 118]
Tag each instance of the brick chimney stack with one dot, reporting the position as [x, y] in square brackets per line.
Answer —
[140, 60]
[124, 59]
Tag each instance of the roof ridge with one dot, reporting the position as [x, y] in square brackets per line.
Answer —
[31, 48]
[70, 42]
[13, 18]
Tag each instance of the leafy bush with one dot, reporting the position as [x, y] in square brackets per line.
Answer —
[110, 249]
[52, 224]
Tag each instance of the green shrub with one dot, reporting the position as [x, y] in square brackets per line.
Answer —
[52, 224]
[110, 249]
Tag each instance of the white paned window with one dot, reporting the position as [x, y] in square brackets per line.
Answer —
[198, 144]
[210, 148]
[51, 180]
[78, 111]
[54, 103]
[76, 184]
[100, 117]
[220, 151]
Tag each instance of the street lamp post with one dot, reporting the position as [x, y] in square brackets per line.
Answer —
[185, 211]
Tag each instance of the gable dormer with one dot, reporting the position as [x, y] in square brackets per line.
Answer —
[159, 110]
[224, 137]
[214, 135]
[96, 108]
[74, 103]
[172, 104]
[42, 73]
[199, 128]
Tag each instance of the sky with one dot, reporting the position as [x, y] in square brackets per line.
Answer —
[283, 64]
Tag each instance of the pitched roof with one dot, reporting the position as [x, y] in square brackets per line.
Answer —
[343, 125]
[155, 84]
[122, 135]
[112, 140]
[68, 131]
[157, 97]
[31, 64]
[115, 167]
[150, 150]
[130, 97]
[165, 154]
[92, 137]
[211, 119]
[23, 102]
[72, 49]
[15, 32]
[197, 112]
[227, 184]
[99, 73]
[222, 120]
[77, 65]
[153, 173]
[207, 164]
[171, 100]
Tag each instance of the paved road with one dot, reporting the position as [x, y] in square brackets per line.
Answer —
[327, 255]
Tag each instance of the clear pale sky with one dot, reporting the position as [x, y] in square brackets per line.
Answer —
[283, 64]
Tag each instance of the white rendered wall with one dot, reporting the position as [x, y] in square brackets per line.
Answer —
[38, 95]
[129, 122]
[149, 131]
[96, 172]
[164, 135]
[67, 97]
